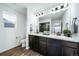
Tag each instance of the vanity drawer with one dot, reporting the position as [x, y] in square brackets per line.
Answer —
[70, 44]
[42, 39]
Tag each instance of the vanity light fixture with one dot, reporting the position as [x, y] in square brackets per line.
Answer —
[65, 5]
[39, 14]
[59, 7]
[52, 10]
[42, 13]
[56, 8]
[36, 15]
[62, 6]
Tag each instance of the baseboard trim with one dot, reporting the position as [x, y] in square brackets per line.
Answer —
[27, 47]
[9, 49]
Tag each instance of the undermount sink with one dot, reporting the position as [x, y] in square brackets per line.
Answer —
[46, 34]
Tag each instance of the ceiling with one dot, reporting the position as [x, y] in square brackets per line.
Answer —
[34, 7]
[14, 7]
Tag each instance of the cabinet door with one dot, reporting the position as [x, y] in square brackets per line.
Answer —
[42, 45]
[54, 47]
[34, 42]
[70, 48]
[31, 41]
[68, 51]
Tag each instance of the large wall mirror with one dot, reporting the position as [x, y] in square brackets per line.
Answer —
[56, 26]
[44, 26]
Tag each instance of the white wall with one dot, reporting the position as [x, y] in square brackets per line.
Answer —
[21, 26]
[44, 20]
[67, 18]
[31, 19]
[73, 11]
[8, 35]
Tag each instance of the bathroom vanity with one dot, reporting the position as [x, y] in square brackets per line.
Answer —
[53, 45]
[59, 23]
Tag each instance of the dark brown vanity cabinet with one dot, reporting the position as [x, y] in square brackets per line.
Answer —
[42, 45]
[68, 51]
[53, 47]
[70, 48]
[34, 43]
[31, 43]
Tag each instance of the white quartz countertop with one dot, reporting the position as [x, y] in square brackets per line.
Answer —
[57, 37]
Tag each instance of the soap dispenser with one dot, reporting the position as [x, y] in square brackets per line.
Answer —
[75, 26]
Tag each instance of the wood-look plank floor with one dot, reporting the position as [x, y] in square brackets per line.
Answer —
[19, 51]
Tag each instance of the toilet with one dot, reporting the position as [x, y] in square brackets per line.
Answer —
[23, 42]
